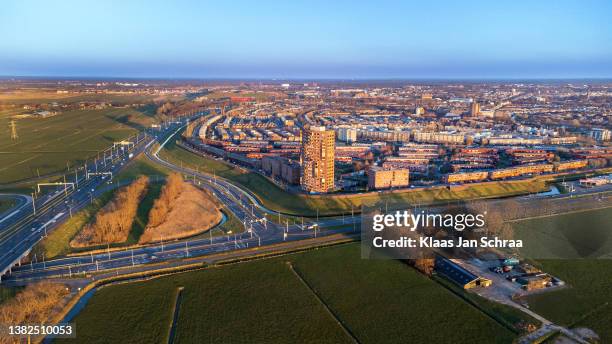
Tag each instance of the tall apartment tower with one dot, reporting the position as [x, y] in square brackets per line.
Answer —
[318, 145]
[475, 110]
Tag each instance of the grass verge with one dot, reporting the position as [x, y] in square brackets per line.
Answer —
[7, 293]
[57, 242]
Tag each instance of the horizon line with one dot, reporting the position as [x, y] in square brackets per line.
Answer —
[161, 78]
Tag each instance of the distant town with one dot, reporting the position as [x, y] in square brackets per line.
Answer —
[321, 138]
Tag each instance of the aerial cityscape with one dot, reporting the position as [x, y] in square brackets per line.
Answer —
[317, 174]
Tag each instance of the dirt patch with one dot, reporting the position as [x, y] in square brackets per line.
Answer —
[192, 212]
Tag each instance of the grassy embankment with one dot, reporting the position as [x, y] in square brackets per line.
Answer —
[6, 204]
[378, 301]
[277, 199]
[142, 166]
[57, 243]
[181, 210]
[7, 293]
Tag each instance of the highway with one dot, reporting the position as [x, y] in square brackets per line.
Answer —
[22, 231]
[22, 202]
[258, 232]
[239, 202]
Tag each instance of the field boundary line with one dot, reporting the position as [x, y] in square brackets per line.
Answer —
[346, 330]
[175, 314]
[589, 314]
[490, 314]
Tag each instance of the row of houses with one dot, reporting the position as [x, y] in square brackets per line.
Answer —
[281, 168]
[515, 171]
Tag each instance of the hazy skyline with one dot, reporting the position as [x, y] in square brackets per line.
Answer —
[274, 39]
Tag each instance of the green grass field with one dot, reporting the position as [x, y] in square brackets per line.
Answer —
[142, 214]
[231, 225]
[378, 301]
[277, 199]
[584, 234]
[6, 204]
[42, 95]
[8, 292]
[49, 145]
[141, 166]
[588, 300]
[57, 243]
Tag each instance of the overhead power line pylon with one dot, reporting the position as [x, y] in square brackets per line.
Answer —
[13, 126]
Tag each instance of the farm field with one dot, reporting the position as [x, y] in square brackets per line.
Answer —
[377, 301]
[49, 145]
[588, 300]
[584, 234]
[41, 95]
[299, 204]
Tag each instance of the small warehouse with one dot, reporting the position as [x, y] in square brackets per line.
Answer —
[459, 275]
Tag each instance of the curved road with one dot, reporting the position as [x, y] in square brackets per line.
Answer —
[22, 201]
[244, 206]
[240, 202]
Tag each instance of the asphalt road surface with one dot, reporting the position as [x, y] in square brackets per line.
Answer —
[22, 231]
[242, 204]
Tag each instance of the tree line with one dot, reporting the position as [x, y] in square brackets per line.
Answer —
[114, 221]
[163, 204]
[33, 305]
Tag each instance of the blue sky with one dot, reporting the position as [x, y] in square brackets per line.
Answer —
[307, 39]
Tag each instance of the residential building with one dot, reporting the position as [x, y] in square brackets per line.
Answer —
[600, 134]
[385, 178]
[348, 135]
[475, 109]
[318, 145]
[438, 137]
